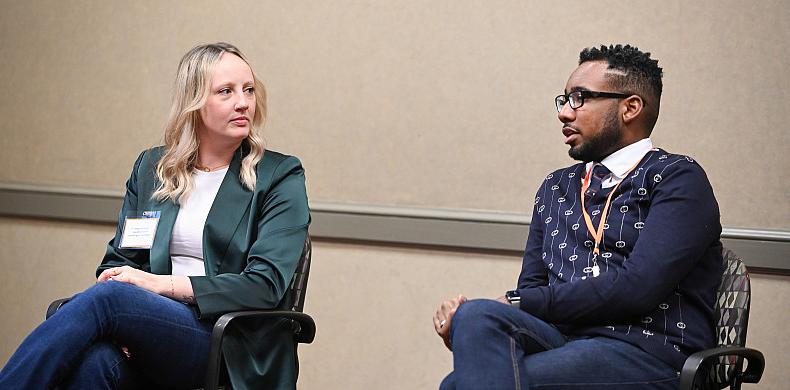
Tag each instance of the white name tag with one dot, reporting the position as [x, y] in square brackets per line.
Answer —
[138, 233]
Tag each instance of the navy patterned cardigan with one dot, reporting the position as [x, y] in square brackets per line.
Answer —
[660, 258]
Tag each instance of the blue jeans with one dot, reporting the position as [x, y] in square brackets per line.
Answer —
[496, 346]
[78, 347]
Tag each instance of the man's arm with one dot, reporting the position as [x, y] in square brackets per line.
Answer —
[533, 270]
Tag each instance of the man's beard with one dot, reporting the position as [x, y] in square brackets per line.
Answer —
[602, 143]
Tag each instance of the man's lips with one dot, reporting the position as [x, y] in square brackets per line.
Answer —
[570, 134]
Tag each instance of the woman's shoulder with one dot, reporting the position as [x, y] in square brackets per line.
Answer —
[150, 156]
[274, 167]
[146, 161]
[275, 163]
[273, 156]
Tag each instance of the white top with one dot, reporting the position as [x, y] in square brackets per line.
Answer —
[622, 160]
[186, 243]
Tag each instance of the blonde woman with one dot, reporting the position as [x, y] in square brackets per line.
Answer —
[210, 223]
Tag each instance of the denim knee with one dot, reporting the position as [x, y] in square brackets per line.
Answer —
[448, 383]
[102, 300]
[107, 292]
[109, 287]
[477, 313]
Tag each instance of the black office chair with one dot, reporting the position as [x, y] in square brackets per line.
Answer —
[292, 306]
[722, 366]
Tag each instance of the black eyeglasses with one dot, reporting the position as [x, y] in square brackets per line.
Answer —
[576, 98]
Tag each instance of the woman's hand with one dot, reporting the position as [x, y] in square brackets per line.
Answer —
[154, 283]
[176, 287]
[443, 317]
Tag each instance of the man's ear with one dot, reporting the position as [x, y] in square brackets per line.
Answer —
[633, 106]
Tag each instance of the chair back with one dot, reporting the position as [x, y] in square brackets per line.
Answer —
[294, 297]
[732, 313]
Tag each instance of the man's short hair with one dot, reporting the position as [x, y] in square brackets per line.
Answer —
[639, 74]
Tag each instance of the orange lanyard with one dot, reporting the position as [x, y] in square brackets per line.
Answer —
[598, 233]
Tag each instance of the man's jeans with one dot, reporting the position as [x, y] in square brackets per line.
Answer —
[496, 346]
[78, 347]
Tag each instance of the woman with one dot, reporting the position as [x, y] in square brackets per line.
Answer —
[210, 224]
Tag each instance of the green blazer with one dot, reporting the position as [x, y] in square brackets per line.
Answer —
[252, 241]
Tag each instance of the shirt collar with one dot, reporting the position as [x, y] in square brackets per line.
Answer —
[622, 160]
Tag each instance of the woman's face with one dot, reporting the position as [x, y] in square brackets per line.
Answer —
[226, 118]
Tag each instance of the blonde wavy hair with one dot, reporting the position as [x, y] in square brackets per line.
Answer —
[190, 91]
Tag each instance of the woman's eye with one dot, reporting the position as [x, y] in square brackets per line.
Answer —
[249, 90]
[224, 91]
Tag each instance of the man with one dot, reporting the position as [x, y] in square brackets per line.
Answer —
[623, 257]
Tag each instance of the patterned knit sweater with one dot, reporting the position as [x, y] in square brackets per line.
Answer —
[660, 260]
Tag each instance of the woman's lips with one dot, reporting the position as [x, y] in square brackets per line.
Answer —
[241, 121]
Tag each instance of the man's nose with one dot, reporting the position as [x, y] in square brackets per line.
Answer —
[566, 113]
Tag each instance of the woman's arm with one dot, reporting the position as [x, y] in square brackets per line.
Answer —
[175, 287]
[114, 255]
[281, 220]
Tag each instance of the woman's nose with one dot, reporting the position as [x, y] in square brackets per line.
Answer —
[242, 104]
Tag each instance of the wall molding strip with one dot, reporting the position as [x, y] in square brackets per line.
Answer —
[765, 250]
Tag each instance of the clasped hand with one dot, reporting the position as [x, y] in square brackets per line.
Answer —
[142, 279]
[444, 317]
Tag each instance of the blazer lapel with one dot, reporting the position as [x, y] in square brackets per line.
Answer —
[160, 250]
[229, 207]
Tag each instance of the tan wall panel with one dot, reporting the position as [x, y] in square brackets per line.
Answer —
[768, 332]
[440, 104]
[374, 308]
[40, 262]
[373, 305]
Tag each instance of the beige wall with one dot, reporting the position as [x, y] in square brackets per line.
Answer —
[440, 104]
[372, 304]
[446, 103]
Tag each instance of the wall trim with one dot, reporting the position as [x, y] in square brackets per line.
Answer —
[764, 250]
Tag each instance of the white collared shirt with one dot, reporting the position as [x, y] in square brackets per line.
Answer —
[622, 160]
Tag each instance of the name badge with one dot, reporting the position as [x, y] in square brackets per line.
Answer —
[139, 232]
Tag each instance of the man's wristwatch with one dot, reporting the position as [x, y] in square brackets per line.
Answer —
[514, 297]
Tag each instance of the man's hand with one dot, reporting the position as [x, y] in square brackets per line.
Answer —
[154, 283]
[443, 317]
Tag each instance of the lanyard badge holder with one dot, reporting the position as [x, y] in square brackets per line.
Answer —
[597, 234]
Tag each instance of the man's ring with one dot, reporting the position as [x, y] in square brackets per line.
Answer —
[442, 322]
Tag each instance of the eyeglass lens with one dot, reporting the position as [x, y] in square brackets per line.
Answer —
[574, 98]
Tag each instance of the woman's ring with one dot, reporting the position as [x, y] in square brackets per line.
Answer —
[442, 322]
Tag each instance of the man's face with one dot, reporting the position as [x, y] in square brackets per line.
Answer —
[593, 131]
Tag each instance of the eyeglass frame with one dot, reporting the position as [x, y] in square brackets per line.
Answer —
[585, 94]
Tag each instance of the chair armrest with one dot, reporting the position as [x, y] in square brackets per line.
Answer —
[691, 369]
[303, 328]
[55, 305]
